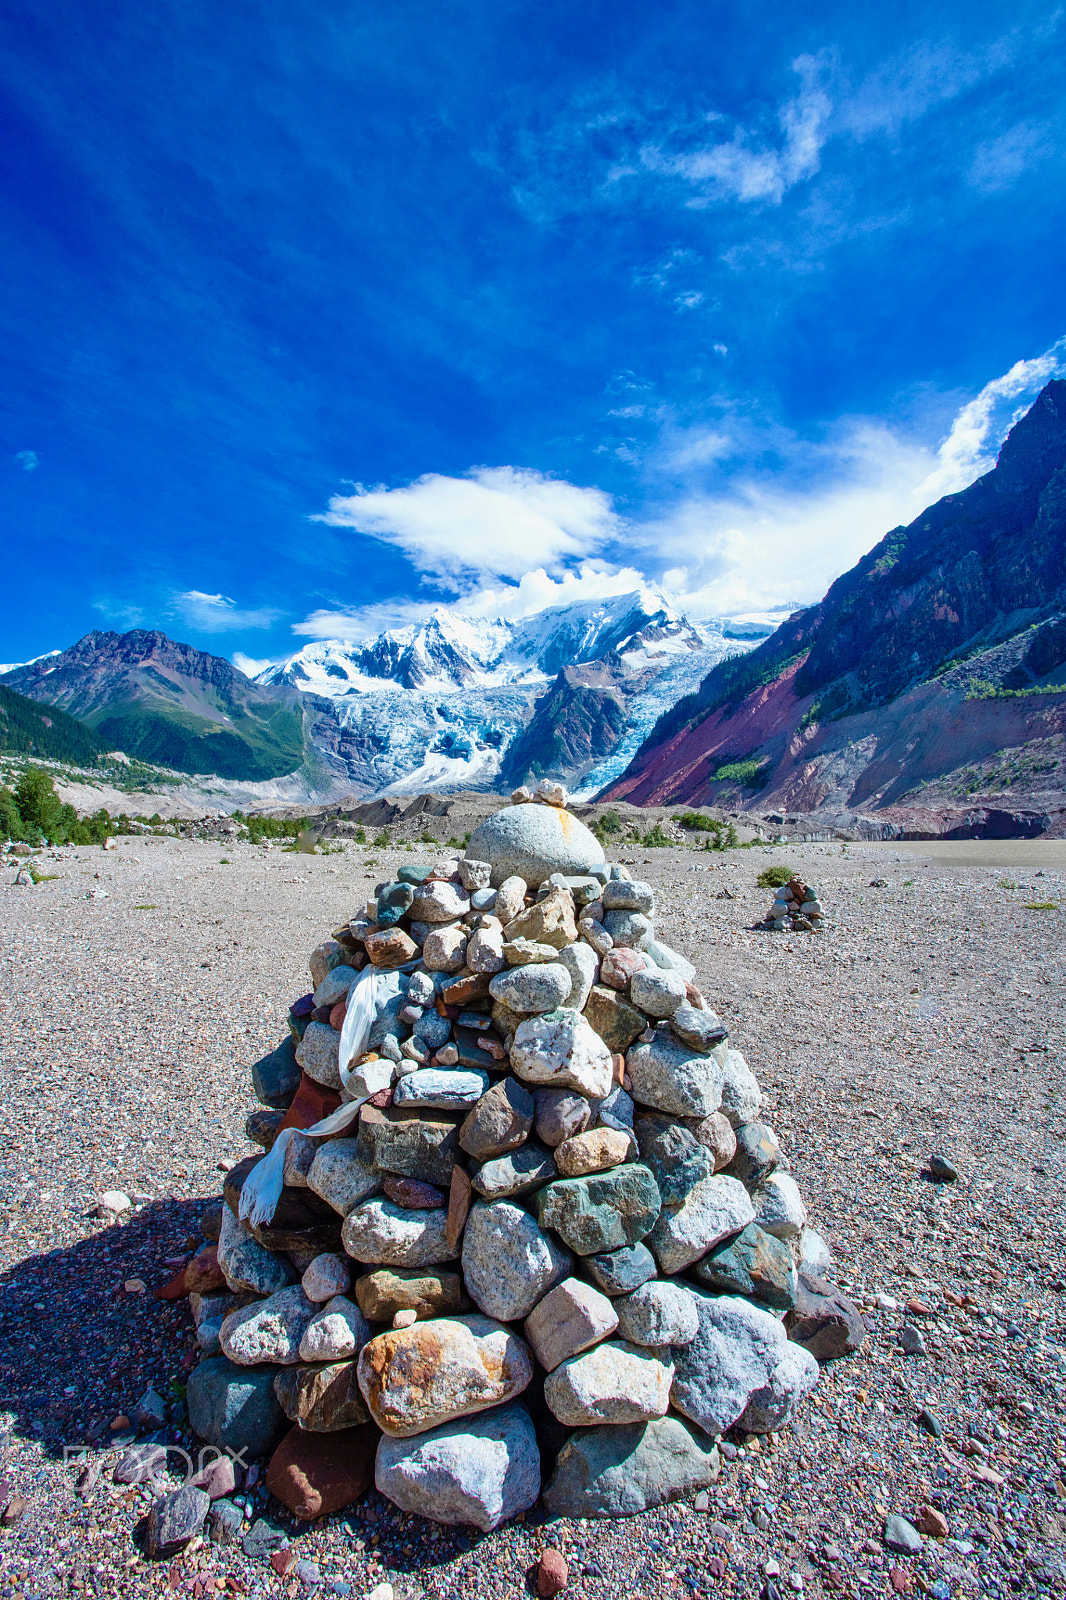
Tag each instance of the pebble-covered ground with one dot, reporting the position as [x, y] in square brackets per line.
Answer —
[139, 985]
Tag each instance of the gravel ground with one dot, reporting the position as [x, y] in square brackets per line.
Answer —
[928, 1018]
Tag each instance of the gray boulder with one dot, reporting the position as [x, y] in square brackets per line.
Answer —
[539, 986]
[733, 1359]
[508, 1262]
[532, 842]
[617, 1471]
[478, 1471]
[658, 1313]
[234, 1408]
[672, 1077]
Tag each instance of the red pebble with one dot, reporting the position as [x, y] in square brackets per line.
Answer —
[338, 1014]
[553, 1570]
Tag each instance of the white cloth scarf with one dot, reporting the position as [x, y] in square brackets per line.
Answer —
[370, 992]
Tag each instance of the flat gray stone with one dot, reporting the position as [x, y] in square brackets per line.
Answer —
[621, 1271]
[479, 1471]
[440, 1090]
[234, 1408]
[617, 1471]
[317, 1054]
[538, 986]
[533, 841]
[656, 992]
[339, 1177]
[621, 894]
[518, 1172]
[732, 1359]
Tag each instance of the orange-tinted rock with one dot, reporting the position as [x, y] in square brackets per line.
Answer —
[318, 1474]
[310, 1104]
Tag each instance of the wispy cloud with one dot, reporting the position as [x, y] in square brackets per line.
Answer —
[28, 460]
[999, 163]
[217, 613]
[497, 520]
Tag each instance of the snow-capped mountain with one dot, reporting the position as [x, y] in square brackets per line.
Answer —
[465, 702]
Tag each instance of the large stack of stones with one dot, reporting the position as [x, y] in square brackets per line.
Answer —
[796, 909]
[556, 1251]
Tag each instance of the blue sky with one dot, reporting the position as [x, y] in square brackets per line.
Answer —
[315, 315]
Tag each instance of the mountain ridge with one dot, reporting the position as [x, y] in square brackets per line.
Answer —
[909, 627]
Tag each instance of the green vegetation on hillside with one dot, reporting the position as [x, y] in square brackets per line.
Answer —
[249, 748]
[751, 773]
[722, 835]
[28, 728]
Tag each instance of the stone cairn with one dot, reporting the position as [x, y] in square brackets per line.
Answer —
[557, 1253]
[796, 909]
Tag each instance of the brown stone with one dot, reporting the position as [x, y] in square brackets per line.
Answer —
[202, 1274]
[500, 1121]
[547, 921]
[338, 1014]
[824, 1320]
[318, 1474]
[428, 1292]
[716, 1134]
[322, 1399]
[932, 1522]
[416, 1378]
[613, 1018]
[408, 1145]
[466, 989]
[459, 1200]
[619, 965]
[414, 1196]
[310, 1104]
[390, 947]
[592, 1151]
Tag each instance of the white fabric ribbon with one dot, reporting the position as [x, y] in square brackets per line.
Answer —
[370, 992]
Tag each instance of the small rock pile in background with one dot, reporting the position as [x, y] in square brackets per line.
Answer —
[558, 1252]
[796, 909]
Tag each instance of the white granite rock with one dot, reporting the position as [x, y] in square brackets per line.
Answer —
[380, 1233]
[267, 1330]
[613, 1382]
[560, 1050]
[339, 1177]
[328, 1274]
[671, 1077]
[540, 986]
[580, 961]
[779, 1207]
[479, 1471]
[336, 1332]
[317, 1054]
[245, 1265]
[714, 1209]
[657, 1314]
[533, 841]
[508, 1262]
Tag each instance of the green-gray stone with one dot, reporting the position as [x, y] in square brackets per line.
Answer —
[621, 1271]
[753, 1263]
[411, 1146]
[516, 1172]
[758, 1153]
[618, 1470]
[393, 902]
[674, 1155]
[413, 872]
[234, 1408]
[604, 1211]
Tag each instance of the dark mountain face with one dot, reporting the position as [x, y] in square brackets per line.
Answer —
[171, 704]
[935, 608]
[25, 729]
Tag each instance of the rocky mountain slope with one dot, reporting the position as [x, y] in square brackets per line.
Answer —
[931, 674]
[170, 704]
[450, 703]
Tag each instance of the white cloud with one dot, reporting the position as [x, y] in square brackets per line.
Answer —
[28, 460]
[765, 541]
[747, 167]
[249, 665]
[496, 520]
[999, 163]
[217, 613]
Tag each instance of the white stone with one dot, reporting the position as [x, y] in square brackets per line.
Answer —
[779, 1207]
[672, 1077]
[329, 1274]
[562, 1051]
[317, 1054]
[370, 1077]
[267, 1330]
[791, 1381]
[474, 875]
[479, 1471]
[714, 1208]
[112, 1203]
[484, 953]
[814, 1256]
[334, 986]
[668, 959]
[339, 1177]
[441, 1091]
[552, 794]
[657, 992]
[613, 1382]
[658, 1314]
[379, 1233]
[595, 935]
[245, 1265]
[537, 987]
[733, 1356]
[741, 1098]
[580, 961]
[439, 902]
[510, 898]
[336, 1332]
[508, 1262]
[444, 950]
